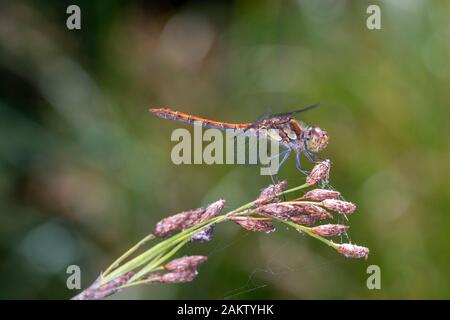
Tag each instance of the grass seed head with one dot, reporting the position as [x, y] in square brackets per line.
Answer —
[330, 230]
[307, 208]
[320, 194]
[279, 210]
[353, 251]
[269, 194]
[253, 224]
[320, 172]
[339, 206]
[309, 220]
[179, 277]
[187, 219]
[185, 263]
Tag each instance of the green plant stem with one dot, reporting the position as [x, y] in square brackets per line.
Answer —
[303, 186]
[175, 242]
[150, 267]
[128, 253]
[152, 252]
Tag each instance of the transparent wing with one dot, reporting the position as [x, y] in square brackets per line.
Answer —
[264, 116]
[293, 113]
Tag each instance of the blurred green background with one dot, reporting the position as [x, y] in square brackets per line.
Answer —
[85, 170]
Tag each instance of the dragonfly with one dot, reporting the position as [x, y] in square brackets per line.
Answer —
[291, 134]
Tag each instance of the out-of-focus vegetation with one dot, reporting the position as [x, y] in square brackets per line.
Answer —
[85, 171]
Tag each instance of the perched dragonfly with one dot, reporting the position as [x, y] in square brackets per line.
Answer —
[291, 134]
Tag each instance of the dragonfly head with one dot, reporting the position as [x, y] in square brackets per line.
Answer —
[316, 139]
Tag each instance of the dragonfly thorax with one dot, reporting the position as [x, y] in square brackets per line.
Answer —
[316, 139]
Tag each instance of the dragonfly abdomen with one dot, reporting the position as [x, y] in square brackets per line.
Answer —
[169, 114]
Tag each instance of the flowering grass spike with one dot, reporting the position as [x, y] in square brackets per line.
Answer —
[156, 264]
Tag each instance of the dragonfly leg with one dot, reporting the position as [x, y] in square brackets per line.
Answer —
[279, 155]
[313, 157]
[286, 154]
[298, 163]
[274, 176]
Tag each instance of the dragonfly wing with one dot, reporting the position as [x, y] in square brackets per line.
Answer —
[264, 116]
[274, 134]
[293, 113]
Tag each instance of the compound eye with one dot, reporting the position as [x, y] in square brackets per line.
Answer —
[316, 131]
